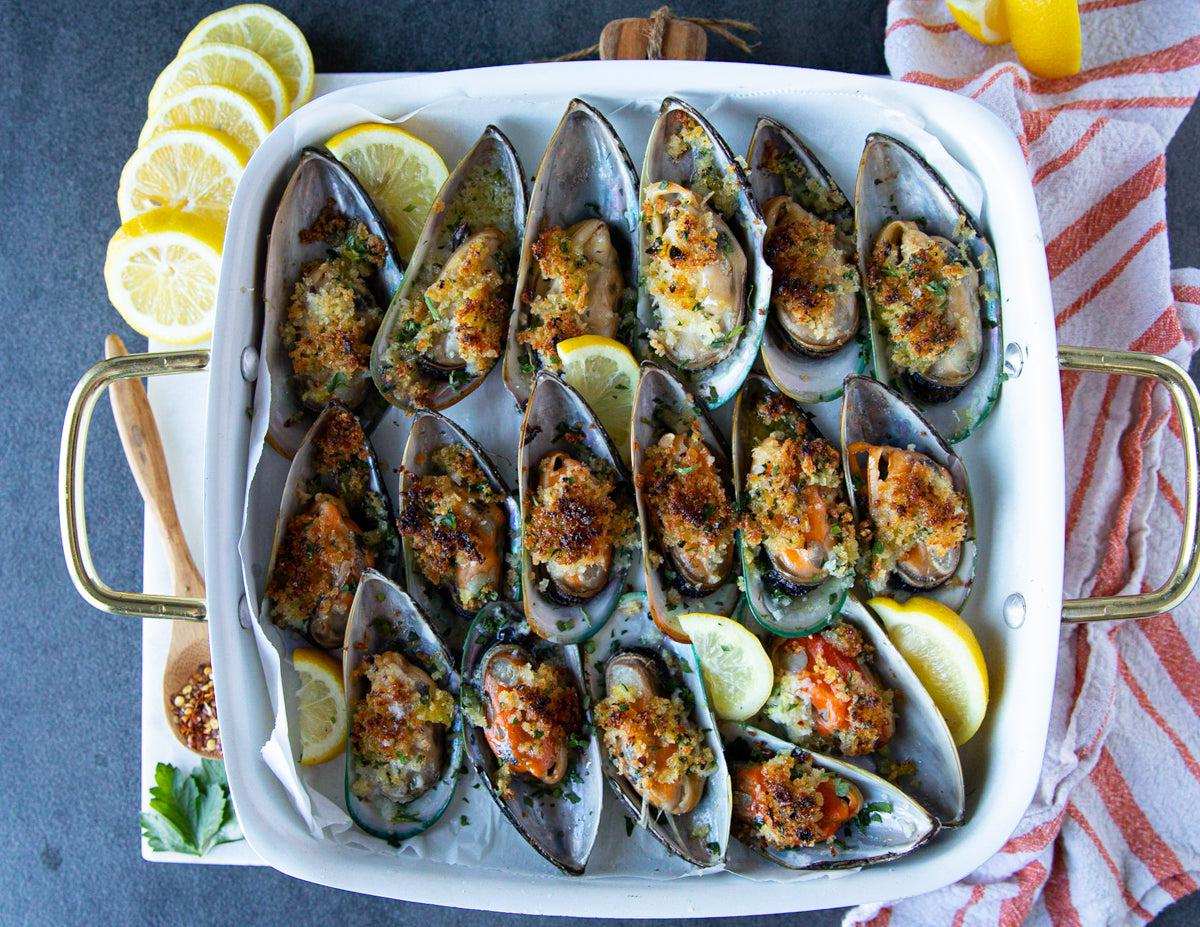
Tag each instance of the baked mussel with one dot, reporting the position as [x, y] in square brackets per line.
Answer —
[683, 484]
[932, 289]
[806, 810]
[444, 330]
[705, 286]
[815, 333]
[911, 496]
[459, 523]
[578, 269]
[331, 271]
[577, 514]
[659, 747]
[798, 542]
[403, 747]
[334, 522]
[847, 691]
[527, 735]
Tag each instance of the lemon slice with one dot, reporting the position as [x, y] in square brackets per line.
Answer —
[943, 652]
[321, 706]
[192, 170]
[268, 32]
[1046, 35]
[400, 173]
[228, 65]
[983, 20]
[211, 106]
[737, 671]
[161, 270]
[604, 373]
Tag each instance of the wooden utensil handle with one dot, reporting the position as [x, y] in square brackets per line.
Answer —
[629, 38]
[143, 448]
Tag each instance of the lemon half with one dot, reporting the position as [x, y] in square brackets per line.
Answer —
[269, 33]
[401, 174]
[983, 20]
[604, 373]
[943, 652]
[1046, 35]
[737, 671]
[321, 706]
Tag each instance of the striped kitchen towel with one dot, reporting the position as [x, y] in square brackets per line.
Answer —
[1111, 835]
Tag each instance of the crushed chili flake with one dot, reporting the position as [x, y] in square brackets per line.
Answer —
[195, 710]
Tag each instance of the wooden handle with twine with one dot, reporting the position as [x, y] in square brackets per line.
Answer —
[663, 35]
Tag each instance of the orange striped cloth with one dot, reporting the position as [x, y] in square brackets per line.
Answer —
[1111, 835]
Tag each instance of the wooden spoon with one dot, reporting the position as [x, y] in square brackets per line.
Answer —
[144, 451]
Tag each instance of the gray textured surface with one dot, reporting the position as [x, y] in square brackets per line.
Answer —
[73, 80]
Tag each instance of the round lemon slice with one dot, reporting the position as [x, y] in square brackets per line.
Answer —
[943, 652]
[268, 32]
[192, 170]
[211, 106]
[401, 174]
[737, 671]
[1046, 35]
[604, 373]
[983, 20]
[161, 271]
[320, 705]
[228, 65]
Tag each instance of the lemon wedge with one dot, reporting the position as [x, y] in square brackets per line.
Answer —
[983, 20]
[737, 671]
[211, 106]
[604, 373]
[161, 270]
[267, 31]
[943, 652]
[1046, 35]
[320, 705]
[401, 174]
[192, 170]
[228, 65]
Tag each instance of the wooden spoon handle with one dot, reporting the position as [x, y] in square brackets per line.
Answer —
[144, 450]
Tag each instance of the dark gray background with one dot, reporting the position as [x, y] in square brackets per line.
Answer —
[73, 84]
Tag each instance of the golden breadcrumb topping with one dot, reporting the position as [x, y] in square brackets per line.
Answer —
[533, 719]
[576, 517]
[811, 272]
[342, 453]
[452, 518]
[795, 492]
[911, 288]
[318, 565]
[332, 318]
[832, 700]
[708, 179]
[787, 802]
[689, 501]
[651, 738]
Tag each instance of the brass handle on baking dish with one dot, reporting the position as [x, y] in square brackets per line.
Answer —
[73, 522]
[1187, 404]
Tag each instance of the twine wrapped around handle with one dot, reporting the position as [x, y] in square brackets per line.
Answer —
[655, 31]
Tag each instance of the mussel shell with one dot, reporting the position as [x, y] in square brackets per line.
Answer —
[779, 607]
[492, 152]
[895, 182]
[898, 832]
[385, 618]
[920, 734]
[701, 835]
[874, 414]
[552, 405]
[429, 432]
[661, 403]
[371, 513]
[715, 385]
[561, 830]
[797, 371]
[318, 178]
[585, 173]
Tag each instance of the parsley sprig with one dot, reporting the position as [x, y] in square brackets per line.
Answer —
[190, 813]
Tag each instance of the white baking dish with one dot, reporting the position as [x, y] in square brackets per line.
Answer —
[1015, 462]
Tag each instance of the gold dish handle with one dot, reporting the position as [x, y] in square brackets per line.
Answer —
[73, 522]
[1187, 404]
